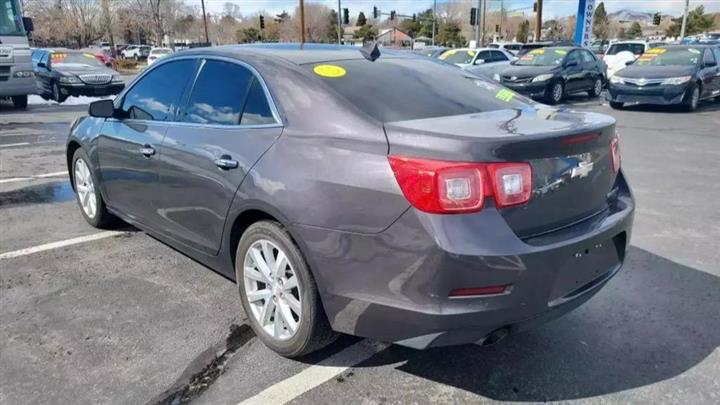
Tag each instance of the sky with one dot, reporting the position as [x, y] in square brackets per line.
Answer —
[551, 9]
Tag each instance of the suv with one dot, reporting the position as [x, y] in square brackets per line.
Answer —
[620, 53]
[511, 47]
[136, 52]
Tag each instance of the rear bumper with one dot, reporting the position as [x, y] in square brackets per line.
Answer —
[17, 87]
[394, 286]
[659, 95]
[92, 90]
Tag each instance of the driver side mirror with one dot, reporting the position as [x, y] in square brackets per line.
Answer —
[42, 65]
[479, 61]
[630, 62]
[570, 64]
[102, 109]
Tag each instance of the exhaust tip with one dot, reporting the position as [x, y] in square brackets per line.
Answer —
[496, 336]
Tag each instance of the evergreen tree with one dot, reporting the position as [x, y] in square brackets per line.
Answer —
[601, 22]
[449, 34]
[361, 20]
[523, 31]
[697, 22]
[635, 30]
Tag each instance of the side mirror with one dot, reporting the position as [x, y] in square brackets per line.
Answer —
[571, 64]
[479, 61]
[102, 109]
[42, 65]
[28, 24]
[630, 62]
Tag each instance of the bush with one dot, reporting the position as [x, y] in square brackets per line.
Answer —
[126, 64]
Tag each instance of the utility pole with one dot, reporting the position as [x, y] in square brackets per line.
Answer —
[477, 24]
[207, 37]
[484, 21]
[538, 20]
[340, 27]
[502, 16]
[684, 23]
[434, 17]
[302, 22]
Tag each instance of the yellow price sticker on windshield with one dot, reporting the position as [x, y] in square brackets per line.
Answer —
[561, 52]
[656, 51]
[89, 55]
[505, 95]
[537, 52]
[57, 57]
[448, 54]
[331, 71]
[471, 53]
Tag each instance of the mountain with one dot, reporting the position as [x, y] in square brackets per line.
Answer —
[631, 15]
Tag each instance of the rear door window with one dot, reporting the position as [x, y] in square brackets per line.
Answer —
[219, 94]
[257, 108]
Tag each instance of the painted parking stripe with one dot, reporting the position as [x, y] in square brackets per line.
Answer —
[315, 375]
[38, 176]
[59, 244]
[9, 145]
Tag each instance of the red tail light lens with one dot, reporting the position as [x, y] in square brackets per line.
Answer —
[615, 152]
[443, 187]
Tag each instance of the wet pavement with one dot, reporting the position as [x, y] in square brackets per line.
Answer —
[46, 193]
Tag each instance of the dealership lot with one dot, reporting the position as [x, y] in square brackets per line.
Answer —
[121, 318]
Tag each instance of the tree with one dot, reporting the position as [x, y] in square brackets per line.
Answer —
[523, 32]
[361, 20]
[247, 35]
[554, 30]
[697, 22]
[601, 22]
[367, 33]
[635, 30]
[449, 34]
[332, 30]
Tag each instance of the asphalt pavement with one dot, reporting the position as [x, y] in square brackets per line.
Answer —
[88, 316]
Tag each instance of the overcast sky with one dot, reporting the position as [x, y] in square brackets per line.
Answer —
[552, 8]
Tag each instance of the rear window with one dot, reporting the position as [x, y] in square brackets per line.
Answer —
[408, 89]
[636, 49]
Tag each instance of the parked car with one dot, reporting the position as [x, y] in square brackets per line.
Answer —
[530, 46]
[679, 74]
[466, 57]
[62, 73]
[137, 52]
[620, 53]
[157, 53]
[106, 59]
[510, 47]
[338, 206]
[600, 46]
[552, 73]
[431, 51]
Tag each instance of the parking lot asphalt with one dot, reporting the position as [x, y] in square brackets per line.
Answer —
[118, 317]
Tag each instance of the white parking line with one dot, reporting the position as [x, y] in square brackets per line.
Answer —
[313, 376]
[28, 178]
[8, 145]
[59, 244]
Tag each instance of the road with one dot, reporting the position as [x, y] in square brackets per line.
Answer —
[121, 318]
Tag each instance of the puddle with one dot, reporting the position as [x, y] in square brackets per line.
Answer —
[59, 191]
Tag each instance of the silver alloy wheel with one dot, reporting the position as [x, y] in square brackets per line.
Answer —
[272, 289]
[557, 92]
[695, 98]
[56, 92]
[598, 86]
[85, 188]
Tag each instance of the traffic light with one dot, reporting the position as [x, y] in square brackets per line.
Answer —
[346, 16]
[473, 16]
[375, 12]
[657, 18]
[534, 7]
[497, 28]
[392, 15]
[262, 22]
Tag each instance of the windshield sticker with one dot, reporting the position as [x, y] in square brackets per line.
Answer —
[695, 51]
[646, 57]
[561, 52]
[331, 71]
[537, 52]
[448, 54]
[471, 53]
[656, 51]
[89, 55]
[57, 57]
[527, 57]
[505, 95]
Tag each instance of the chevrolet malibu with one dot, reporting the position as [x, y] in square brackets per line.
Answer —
[386, 196]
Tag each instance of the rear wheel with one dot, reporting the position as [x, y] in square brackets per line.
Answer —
[89, 199]
[20, 102]
[278, 292]
[616, 105]
[555, 95]
[597, 88]
[692, 98]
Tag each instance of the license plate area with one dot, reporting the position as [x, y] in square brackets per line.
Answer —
[586, 265]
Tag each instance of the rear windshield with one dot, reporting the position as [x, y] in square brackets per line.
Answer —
[413, 88]
[636, 49]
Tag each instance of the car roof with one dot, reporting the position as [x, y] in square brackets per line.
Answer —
[295, 53]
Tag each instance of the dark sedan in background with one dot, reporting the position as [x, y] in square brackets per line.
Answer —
[670, 75]
[64, 73]
[552, 73]
[352, 192]
[431, 51]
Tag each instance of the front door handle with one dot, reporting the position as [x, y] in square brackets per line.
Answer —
[226, 163]
[147, 150]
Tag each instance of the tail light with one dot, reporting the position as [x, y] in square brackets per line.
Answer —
[443, 187]
[615, 152]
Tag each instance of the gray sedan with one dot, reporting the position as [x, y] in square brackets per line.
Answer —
[351, 192]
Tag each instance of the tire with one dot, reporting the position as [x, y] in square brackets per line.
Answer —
[616, 105]
[99, 217]
[311, 328]
[20, 102]
[56, 95]
[597, 88]
[692, 98]
[557, 91]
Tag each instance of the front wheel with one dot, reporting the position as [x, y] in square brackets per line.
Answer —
[692, 98]
[616, 105]
[89, 199]
[557, 90]
[20, 102]
[56, 94]
[278, 292]
[597, 88]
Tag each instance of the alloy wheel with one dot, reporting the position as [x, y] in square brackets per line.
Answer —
[695, 100]
[85, 188]
[598, 86]
[272, 289]
[557, 92]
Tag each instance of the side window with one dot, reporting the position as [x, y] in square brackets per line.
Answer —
[587, 57]
[45, 58]
[573, 57]
[484, 55]
[157, 93]
[498, 56]
[219, 94]
[36, 55]
[717, 54]
[709, 57]
[257, 109]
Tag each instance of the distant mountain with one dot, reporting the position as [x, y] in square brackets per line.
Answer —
[631, 15]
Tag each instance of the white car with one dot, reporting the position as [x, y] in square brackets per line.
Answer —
[620, 53]
[157, 53]
[136, 52]
[467, 57]
[511, 47]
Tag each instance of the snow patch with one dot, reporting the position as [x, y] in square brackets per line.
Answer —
[81, 100]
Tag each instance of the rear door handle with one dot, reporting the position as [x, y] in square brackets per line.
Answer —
[226, 163]
[147, 150]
